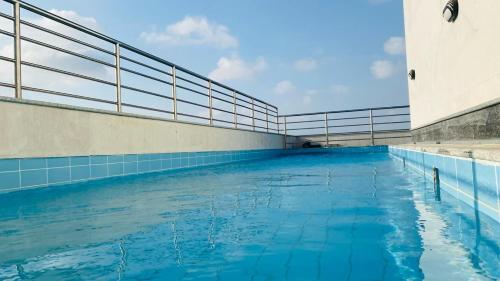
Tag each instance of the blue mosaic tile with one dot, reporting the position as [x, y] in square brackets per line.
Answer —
[98, 159]
[9, 180]
[33, 177]
[130, 168]
[59, 175]
[79, 160]
[33, 163]
[57, 162]
[115, 169]
[130, 158]
[157, 156]
[155, 165]
[98, 171]
[143, 157]
[143, 167]
[486, 184]
[471, 182]
[56, 170]
[79, 173]
[176, 163]
[9, 165]
[115, 159]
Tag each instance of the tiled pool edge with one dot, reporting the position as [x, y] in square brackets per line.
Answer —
[352, 149]
[475, 182]
[28, 173]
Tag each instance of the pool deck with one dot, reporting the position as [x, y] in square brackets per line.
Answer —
[482, 151]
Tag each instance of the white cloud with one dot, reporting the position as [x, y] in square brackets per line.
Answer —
[284, 87]
[308, 97]
[395, 46]
[340, 89]
[382, 69]
[305, 65]
[193, 31]
[33, 53]
[234, 68]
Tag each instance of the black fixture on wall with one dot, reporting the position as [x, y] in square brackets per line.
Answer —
[450, 11]
[412, 74]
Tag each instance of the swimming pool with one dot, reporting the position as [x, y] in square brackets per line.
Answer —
[321, 216]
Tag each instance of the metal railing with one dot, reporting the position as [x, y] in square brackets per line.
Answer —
[226, 106]
[365, 124]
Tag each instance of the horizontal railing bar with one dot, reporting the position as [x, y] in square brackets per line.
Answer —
[193, 116]
[192, 90]
[191, 82]
[260, 127]
[7, 85]
[69, 38]
[7, 59]
[223, 100]
[394, 137]
[395, 122]
[222, 93]
[40, 43]
[63, 94]
[345, 111]
[245, 101]
[247, 116]
[5, 32]
[305, 121]
[244, 106]
[39, 66]
[353, 125]
[4, 15]
[145, 65]
[222, 110]
[349, 118]
[224, 121]
[145, 75]
[145, 92]
[391, 115]
[147, 108]
[308, 128]
[103, 37]
[192, 103]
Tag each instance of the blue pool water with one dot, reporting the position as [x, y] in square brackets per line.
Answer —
[300, 217]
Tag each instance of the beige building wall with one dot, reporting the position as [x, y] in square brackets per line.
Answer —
[29, 129]
[457, 64]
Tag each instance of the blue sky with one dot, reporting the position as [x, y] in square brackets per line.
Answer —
[299, 55]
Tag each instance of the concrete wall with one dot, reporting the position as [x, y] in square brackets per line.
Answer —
[456, 64]
[33, 129]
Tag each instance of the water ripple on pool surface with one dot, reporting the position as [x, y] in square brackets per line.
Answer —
[316, 217]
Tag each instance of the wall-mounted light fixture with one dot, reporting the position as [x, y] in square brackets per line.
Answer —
[450, 12]
[412, 74]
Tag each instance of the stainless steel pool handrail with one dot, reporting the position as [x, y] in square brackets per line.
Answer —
[321, 121]
[261, 111]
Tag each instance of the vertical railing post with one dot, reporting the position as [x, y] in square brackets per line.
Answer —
[371, 127]
[174, 91]
[17, 49]
[210, 111]
[235, 114]
[253, 115]
[267, 120]
[286, 137]
[277, 121]
[326, 130]
[118, 78]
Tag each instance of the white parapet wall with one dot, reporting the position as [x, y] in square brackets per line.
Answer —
[33, 129]
[456, 64]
